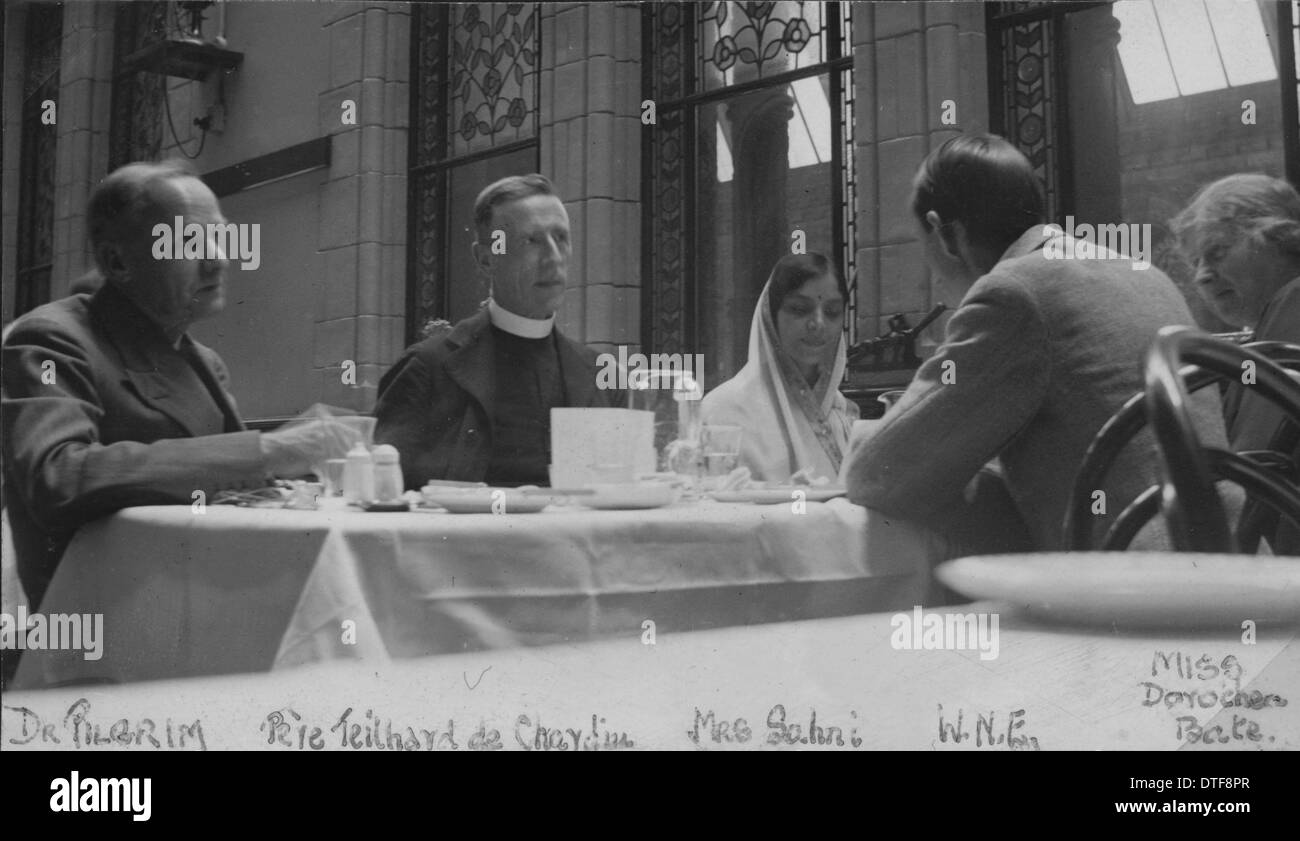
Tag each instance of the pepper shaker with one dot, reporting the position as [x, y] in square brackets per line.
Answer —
[388, 474]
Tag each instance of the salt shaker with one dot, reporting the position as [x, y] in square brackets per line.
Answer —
[388, 474]
[359, 476]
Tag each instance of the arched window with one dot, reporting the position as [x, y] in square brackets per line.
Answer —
[749, 157]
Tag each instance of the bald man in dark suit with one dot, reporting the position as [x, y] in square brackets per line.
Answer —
[107, 401]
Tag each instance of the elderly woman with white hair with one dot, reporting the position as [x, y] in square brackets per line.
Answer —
[1242, 234]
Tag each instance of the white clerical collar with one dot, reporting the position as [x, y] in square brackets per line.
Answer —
[518, 325]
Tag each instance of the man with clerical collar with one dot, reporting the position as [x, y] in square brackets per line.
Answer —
[473, 402]
[109, 403]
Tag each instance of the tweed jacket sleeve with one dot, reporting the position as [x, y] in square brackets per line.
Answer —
[964, 405]
[68, 445]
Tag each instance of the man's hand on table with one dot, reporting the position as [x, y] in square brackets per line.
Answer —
[302, 448]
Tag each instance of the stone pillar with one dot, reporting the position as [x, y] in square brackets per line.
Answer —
[360, 315]
[15, 56]
[910, 59]
[590, 137]
[83, 116]
[760, 154]
[1091, 38]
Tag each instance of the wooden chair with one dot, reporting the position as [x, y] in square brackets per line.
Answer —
[1182, 361]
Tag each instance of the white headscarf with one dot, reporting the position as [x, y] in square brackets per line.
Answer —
[788, 425]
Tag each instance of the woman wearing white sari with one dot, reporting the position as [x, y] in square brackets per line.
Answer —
[786, 399]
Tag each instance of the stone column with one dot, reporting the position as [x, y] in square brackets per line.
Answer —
[1091, 38]
[360, 315]
[909, 60]
[760, 154]
[85, 99]
[15, 57]
[590, 137]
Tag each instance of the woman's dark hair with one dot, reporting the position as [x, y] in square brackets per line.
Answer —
[793, 271]
[983, 182]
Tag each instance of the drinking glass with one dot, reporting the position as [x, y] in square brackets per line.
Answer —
[720, 446]
[333, 478]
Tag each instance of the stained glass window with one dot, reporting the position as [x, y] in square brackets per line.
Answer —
[744, 41]
[474, 96]
[493, 70]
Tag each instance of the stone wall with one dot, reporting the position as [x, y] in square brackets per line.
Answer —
[909, 58]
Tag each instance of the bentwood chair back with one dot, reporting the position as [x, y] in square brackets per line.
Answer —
[1182, 361]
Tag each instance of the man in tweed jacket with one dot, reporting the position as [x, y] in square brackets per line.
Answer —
[1047, 344]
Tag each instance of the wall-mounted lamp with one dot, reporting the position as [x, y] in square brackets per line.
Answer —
[187, 54]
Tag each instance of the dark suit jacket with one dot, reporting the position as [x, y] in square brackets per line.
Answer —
[1041, 353]
[435, 404]
[125, 421]
[1253, 420]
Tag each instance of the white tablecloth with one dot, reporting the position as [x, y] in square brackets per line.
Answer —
[244, 590]
[825, 684]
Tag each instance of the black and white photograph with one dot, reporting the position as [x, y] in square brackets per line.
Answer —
[668, 376]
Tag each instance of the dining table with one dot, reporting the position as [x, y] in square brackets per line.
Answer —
[204, 590]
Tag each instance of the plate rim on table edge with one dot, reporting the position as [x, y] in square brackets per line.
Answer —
[1098, 588]
[778, 495]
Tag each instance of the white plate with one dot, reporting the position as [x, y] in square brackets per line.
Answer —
[774, 496]
[1136, 588]
[481, 500]
[650, 495]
